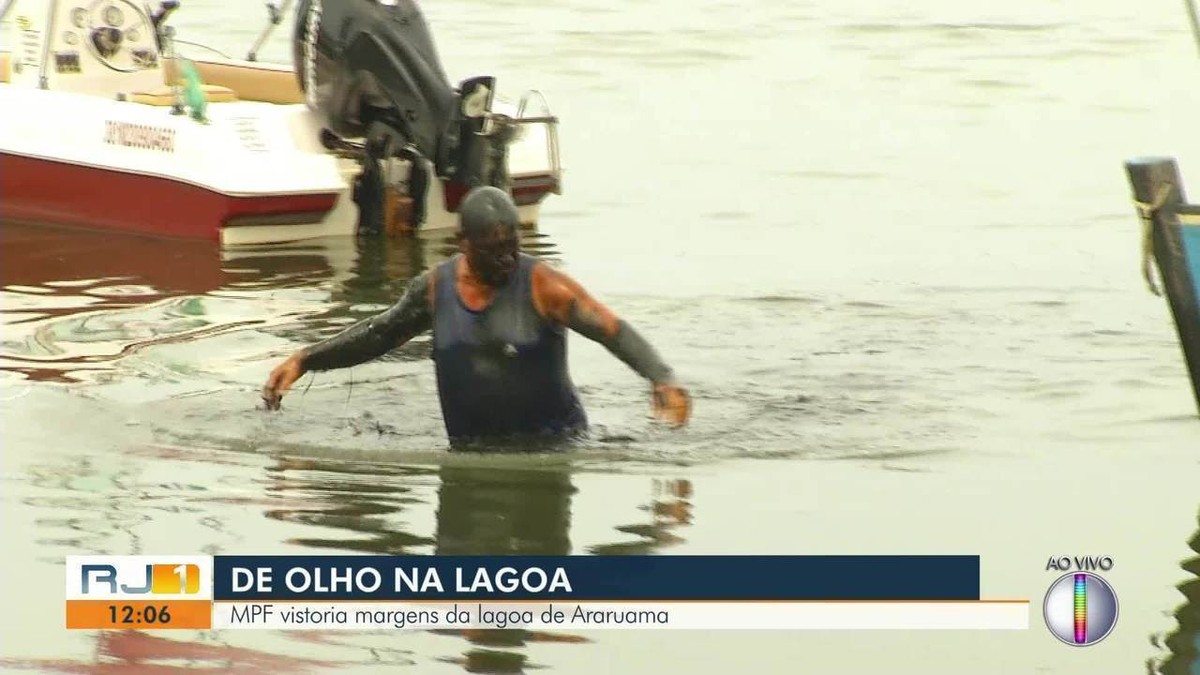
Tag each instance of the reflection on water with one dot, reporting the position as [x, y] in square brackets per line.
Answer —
[1184, 644]
[489, 509]
[357, 507]
[669, 509]
[75, 301]
[503, 511]
[139, 653]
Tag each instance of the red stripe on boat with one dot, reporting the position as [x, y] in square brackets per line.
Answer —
[48, 191]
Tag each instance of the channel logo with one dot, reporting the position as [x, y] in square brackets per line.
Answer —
[139, 579]
[1080, 609]
[146, 578]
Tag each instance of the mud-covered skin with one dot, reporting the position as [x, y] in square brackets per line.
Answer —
[626, 344]
[488, 223]
[376, 336]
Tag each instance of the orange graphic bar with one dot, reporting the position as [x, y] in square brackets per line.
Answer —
[139, 614]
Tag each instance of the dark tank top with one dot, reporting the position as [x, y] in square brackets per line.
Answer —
[501, 371]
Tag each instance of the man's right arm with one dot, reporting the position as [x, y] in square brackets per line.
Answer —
[366, 340]
[371, 338]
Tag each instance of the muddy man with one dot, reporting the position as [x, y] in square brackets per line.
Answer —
[499, 320]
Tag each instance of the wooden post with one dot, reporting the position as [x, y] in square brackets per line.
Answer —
[1157, 178]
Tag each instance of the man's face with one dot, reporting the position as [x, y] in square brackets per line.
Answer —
[493, 258]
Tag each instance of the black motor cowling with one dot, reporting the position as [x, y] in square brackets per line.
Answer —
[361, 61]
[371, 70]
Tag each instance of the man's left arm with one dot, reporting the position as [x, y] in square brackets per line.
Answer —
[562, 299]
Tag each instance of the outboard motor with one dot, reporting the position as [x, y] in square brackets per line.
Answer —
[371, 70]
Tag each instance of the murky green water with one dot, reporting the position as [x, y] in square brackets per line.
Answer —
[889, 247]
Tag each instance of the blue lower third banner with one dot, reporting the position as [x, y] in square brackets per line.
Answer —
[596, 578]
[533, 593]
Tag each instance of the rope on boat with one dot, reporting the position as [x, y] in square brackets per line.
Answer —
[1147, 211]
[204, 46]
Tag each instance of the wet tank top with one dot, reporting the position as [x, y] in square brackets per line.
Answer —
[501, 371]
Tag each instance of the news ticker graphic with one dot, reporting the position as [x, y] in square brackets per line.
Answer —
[533, 592]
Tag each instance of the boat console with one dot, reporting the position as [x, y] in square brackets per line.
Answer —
[99, 47]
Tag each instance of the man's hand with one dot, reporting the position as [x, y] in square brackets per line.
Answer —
[672, 404]
[281, 379]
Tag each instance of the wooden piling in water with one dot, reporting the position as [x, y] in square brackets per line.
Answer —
[1158, 190]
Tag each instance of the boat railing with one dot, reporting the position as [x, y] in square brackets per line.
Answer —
[275, 14]
[495, 122]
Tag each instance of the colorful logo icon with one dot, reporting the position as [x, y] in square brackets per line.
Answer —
[171, 579]
[1080, 609]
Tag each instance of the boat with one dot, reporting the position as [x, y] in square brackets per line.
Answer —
[106, 126]
[1171, 239]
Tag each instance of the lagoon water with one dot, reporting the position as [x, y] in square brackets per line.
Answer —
[889, 247]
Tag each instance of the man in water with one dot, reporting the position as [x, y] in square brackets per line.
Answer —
[499, 320]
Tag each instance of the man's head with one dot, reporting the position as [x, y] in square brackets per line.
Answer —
[488, 234]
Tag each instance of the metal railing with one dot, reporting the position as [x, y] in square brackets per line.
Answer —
[494, 122]
[275, 16]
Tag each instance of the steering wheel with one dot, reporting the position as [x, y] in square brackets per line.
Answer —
[121, 36]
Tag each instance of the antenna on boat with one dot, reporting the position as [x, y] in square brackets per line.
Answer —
[274, 17]
[1194, 15]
